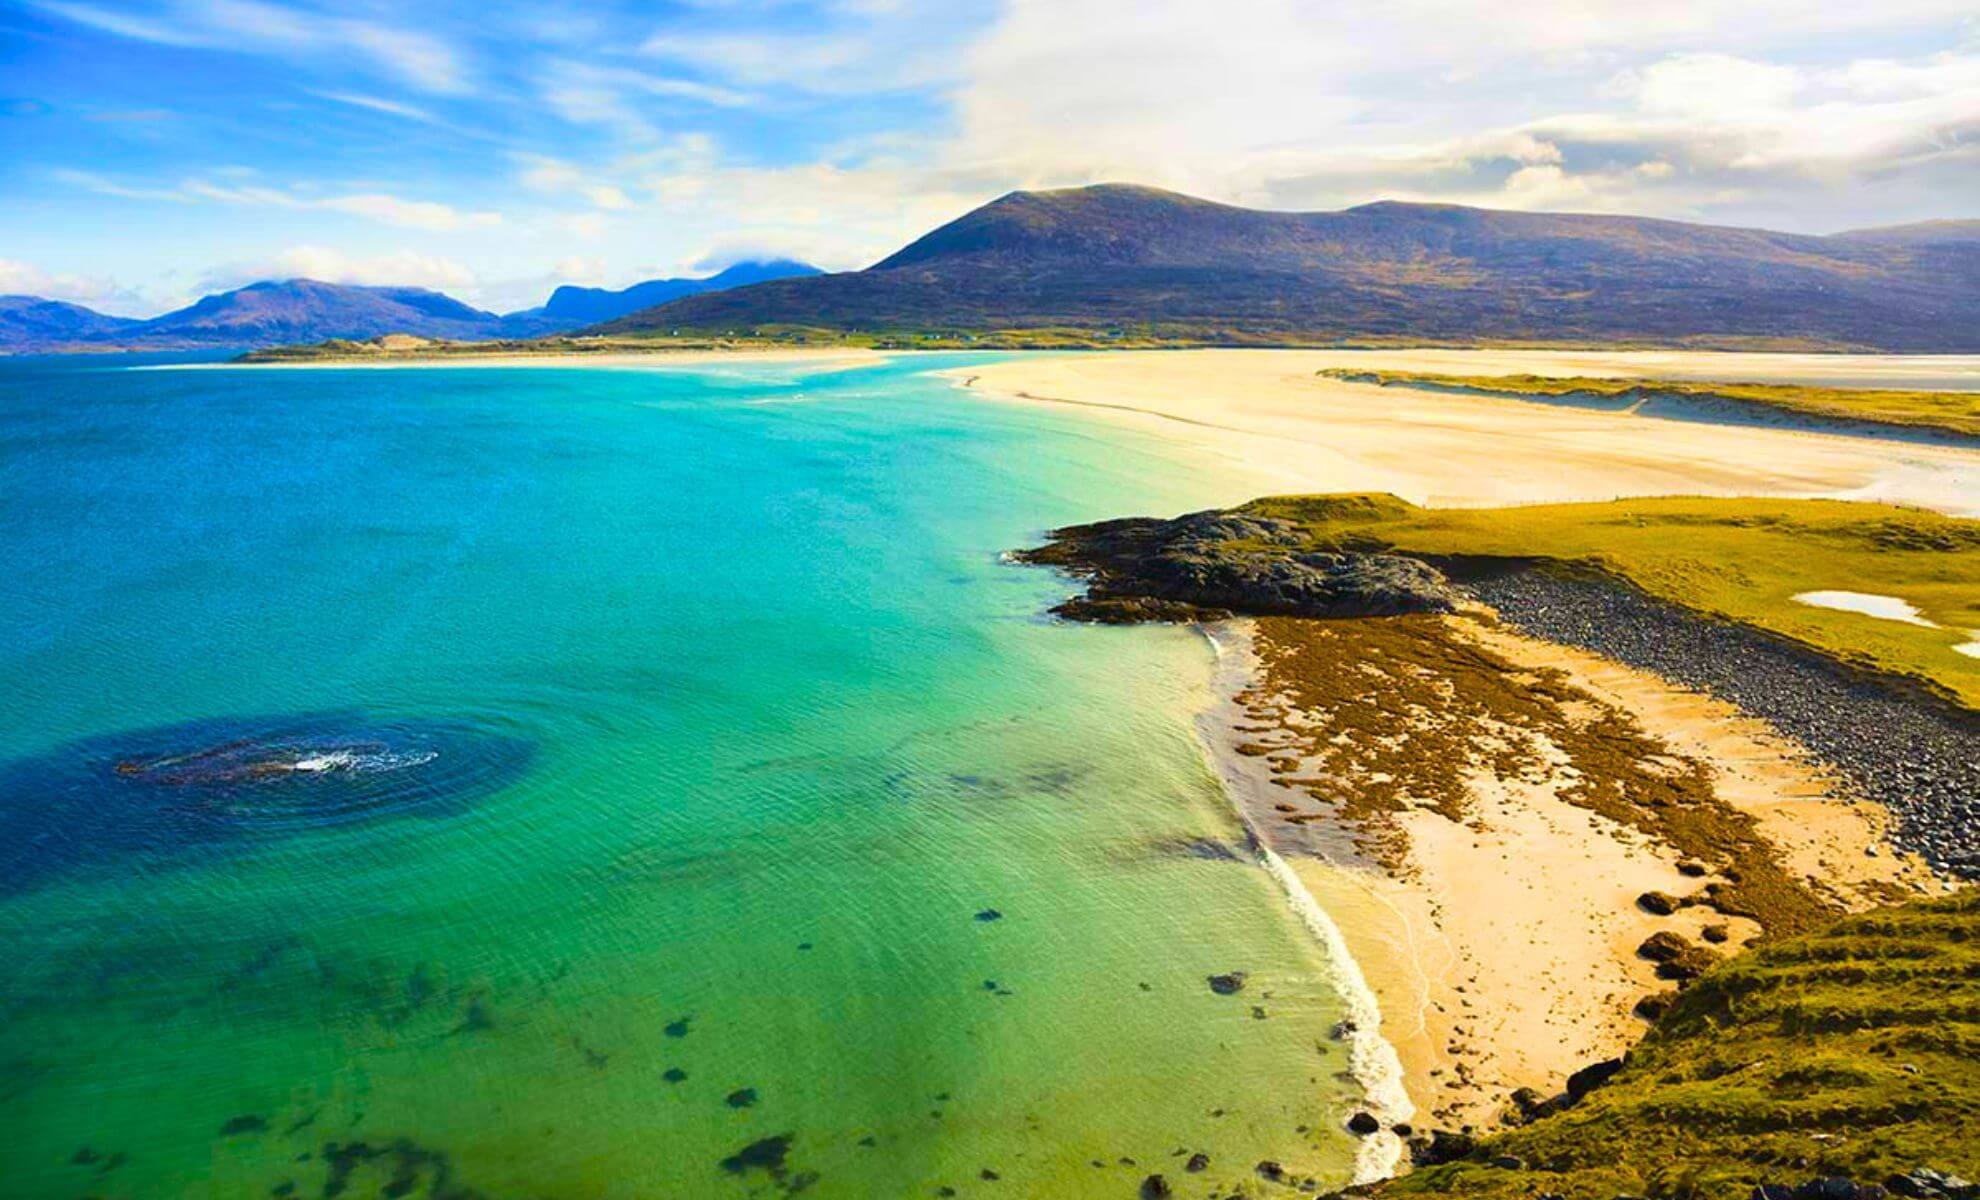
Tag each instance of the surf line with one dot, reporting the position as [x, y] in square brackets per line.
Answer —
[1372, 1059]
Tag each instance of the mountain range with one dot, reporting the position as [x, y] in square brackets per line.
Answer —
[1117, 257]
[282, 312]
[1116, 261]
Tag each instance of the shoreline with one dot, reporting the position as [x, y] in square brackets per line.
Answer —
[1481, 980]
[1372, 1058]
[620, 359]
[1271, 417]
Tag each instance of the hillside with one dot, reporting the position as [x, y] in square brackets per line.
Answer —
[304, 310]
[1135, 259]
[30, 321]
[1852, 1052]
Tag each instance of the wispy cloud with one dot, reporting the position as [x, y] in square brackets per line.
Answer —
[382, 207]
[251, 26]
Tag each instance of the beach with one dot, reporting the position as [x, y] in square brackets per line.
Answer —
[1496, 925]
[1269, 415]
[1500, 941]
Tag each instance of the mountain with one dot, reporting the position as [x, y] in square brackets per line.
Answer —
[29, 323]
[570, 307]
[306, 310]
[1112, 256]
[274, 313]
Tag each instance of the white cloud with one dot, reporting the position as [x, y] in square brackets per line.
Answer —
[25, 279]
[382, 207]
[401, 269]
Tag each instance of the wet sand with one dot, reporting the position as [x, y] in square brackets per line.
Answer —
[1266, 413]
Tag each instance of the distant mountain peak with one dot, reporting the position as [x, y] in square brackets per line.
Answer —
[1109, 256]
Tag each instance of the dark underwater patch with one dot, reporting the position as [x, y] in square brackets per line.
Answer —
[181, 793]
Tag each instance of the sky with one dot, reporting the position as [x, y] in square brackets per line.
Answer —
[152, 151]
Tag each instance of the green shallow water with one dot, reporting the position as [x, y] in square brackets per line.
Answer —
[790, 727]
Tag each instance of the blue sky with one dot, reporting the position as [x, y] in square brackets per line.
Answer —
[154, 150]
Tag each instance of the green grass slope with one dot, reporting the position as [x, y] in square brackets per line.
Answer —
[1740, 559]
[1851, 1052]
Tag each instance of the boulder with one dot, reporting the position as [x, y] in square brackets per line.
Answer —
[1228, 985]
[1364, 1123]
[1590, 1077]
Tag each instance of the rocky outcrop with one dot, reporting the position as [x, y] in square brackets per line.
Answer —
[1211, 564]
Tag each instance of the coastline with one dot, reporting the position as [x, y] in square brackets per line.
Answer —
[1499, 952]
[1283, 428]
[614, 358]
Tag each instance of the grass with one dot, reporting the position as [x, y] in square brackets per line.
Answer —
[1948, 412]
[1738, 559]
[1853, 1051]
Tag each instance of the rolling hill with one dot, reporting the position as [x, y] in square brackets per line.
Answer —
[1117, 257]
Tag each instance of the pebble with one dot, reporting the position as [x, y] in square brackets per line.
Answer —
[1915, 754]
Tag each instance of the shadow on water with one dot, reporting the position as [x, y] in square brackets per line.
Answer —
[177, 794]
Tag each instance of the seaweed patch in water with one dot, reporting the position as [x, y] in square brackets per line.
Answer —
[180, 793]
[769, 1155]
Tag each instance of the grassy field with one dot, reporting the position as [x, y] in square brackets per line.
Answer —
[1852, 1051]
[1740, 559]
[1948, 412]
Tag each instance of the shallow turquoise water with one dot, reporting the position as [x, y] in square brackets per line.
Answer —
[713, 721]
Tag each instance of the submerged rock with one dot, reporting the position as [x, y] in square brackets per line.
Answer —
[1209, 564]
[1228, 985]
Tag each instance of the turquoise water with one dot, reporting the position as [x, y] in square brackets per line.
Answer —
[567, 783]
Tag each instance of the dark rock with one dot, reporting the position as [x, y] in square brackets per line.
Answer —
[241, 1125]
[1271, 1170]
[1716, 934]
[1655, 1005]
[1228, 985]
[1663, 946]
[1691, 869]
[1662, 904]
[1401, 1130]
[1442, 1146]
[1207, 564]
[989, 914]
[1772, 1191]
[673, 1075]
[1154, 1187]
[1363, 1123]
[740, 1098]
[1197, 1162]
[1509, 1162]
[1588, 1078]
[988, 1176]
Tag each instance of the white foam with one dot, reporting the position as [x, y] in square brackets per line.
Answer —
[1884, 608]
[1372, 1060]
[1969, 649]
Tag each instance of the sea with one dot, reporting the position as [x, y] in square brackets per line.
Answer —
[583, 782]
